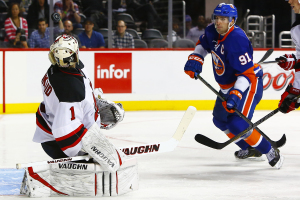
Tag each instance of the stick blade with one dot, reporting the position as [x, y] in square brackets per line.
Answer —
[281, 142]
[202, 139]
[267, 54]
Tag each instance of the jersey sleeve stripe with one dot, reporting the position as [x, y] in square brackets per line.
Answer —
[42, 126]
[40, 122]
[76, 131]
[250, 74]
[71, 139]
[76, 142]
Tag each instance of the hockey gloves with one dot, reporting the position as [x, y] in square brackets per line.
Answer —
[288, 62]
[288, 100]
[193, 66]
[233, 101]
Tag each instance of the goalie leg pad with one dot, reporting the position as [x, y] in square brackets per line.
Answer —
[74, 179]
[79, 179]
[101, 149]
[36, 181]
[125, 180]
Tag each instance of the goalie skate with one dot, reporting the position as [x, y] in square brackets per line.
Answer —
[249, 154]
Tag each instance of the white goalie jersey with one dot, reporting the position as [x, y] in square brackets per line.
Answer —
[295, 34]
[69, 108]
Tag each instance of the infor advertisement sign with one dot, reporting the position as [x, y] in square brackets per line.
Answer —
[113, 72]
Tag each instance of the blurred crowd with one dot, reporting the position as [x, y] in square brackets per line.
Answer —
[136, 24]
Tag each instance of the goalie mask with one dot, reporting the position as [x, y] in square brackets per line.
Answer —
[64, 51]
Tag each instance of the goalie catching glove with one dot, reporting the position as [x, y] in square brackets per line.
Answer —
[110, 113]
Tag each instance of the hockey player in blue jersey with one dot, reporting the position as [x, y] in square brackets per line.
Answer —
[240, 81]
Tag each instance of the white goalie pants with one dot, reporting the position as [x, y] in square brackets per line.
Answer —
[79, 179]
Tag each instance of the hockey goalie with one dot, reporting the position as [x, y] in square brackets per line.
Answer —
[69, 122]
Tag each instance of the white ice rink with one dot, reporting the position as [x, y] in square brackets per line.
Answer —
[192, 171]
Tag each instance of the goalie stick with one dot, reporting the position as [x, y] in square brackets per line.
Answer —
[274, 144]
[159, 147]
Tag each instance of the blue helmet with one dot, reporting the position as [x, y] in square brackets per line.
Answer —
[226, 10]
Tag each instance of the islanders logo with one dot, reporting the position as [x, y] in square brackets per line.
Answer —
[218, 64]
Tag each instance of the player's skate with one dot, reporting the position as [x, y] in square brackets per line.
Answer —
[250, 152]
[274, 158]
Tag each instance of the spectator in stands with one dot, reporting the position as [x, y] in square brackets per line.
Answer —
[188, 26]
[95, 10]
[90, 7]
[41, 37]
[188, 23]
[68, 28]
[122, 39]
[54, 1]
[16, 28]
[195, 32]
[145, 12]
[68, 10]
[90, 38]
[21, 5]
[38, 9]
[176, 30]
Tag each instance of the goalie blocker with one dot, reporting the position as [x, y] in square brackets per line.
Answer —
[79, 180]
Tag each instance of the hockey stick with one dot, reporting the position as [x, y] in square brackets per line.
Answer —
[167, 146]
[151, 148]
[267, 54]
[269, 62]
[274, 144]
[213, 144]
[246, 15]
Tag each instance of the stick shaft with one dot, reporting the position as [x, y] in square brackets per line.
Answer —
[159, 147]
[202, 139]
[269, 62]
[60, 160]
[238, 112]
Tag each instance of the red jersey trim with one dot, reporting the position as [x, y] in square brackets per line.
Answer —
[70, 134]
[75, 143]
[70, 73]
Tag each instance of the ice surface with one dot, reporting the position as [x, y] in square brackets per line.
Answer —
[192, 171]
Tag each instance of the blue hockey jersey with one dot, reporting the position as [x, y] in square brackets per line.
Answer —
[232, 55]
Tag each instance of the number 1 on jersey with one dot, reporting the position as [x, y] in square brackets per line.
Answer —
[72, 113]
